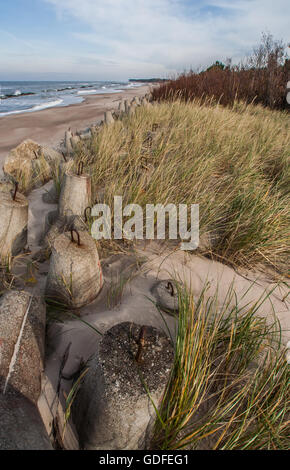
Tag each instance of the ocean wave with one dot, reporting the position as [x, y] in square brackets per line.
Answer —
[86, 92]
[131, 85]
[16, 94]
[38, 107]
[64, 89]
[48, 104]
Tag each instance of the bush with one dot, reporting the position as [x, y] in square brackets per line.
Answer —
[262, 79]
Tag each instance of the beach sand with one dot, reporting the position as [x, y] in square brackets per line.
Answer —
[47, 127]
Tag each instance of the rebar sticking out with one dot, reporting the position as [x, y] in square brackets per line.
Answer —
[170, 288]
[72, 236]
[141, 344]
[16, 184]
[80, 168]
[85, 213]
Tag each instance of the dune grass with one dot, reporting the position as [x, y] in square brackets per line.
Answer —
[229, 384]
[233, 162]
[34, 176]
[6, 276]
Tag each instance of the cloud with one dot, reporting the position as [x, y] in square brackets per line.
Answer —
[170, 35]
[12, 37]
[115, 39]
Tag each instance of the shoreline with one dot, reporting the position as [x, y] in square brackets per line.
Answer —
[47, 126]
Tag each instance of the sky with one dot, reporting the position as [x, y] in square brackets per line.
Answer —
[121, 39]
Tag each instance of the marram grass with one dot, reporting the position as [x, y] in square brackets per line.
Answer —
[229, 384]
[233, 162]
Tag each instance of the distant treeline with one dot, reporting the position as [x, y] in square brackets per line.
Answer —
[262, 78]
[147, 80]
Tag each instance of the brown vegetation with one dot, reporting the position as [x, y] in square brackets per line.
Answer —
[261, 79]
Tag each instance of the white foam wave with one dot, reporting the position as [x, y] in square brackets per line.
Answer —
[17, 93]
[38, 107]
[86, 92]
[132, 85]
[49, 104]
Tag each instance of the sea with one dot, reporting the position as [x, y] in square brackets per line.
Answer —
[27, 97]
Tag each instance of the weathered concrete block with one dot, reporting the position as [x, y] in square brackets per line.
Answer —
[6, 184]
[64, 167]
[76, 194]
[122, 107]
[108, 119]
[54, 227]
[28, 159]
[75, 274]
[21, 157]
[41, 172]
[50, 219]
[75, 139]
[86, 135]
[51, 155]
[21, 427]
[166, 295]
[127, 106]
[136, 101]
[22, 335]
[67, 142]
[51, 196]
[132, 109]
[112, 409]
[13, 224]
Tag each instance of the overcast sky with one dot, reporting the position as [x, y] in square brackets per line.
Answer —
[121, 39]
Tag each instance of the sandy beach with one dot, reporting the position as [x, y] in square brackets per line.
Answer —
[47, 127]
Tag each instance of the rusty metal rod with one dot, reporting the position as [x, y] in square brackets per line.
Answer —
[171, 288]
[141, 344]
[16, 184]
[86, 210]
[72, 236]
[80, 168]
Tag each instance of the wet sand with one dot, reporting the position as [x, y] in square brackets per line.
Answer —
[48, 126]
